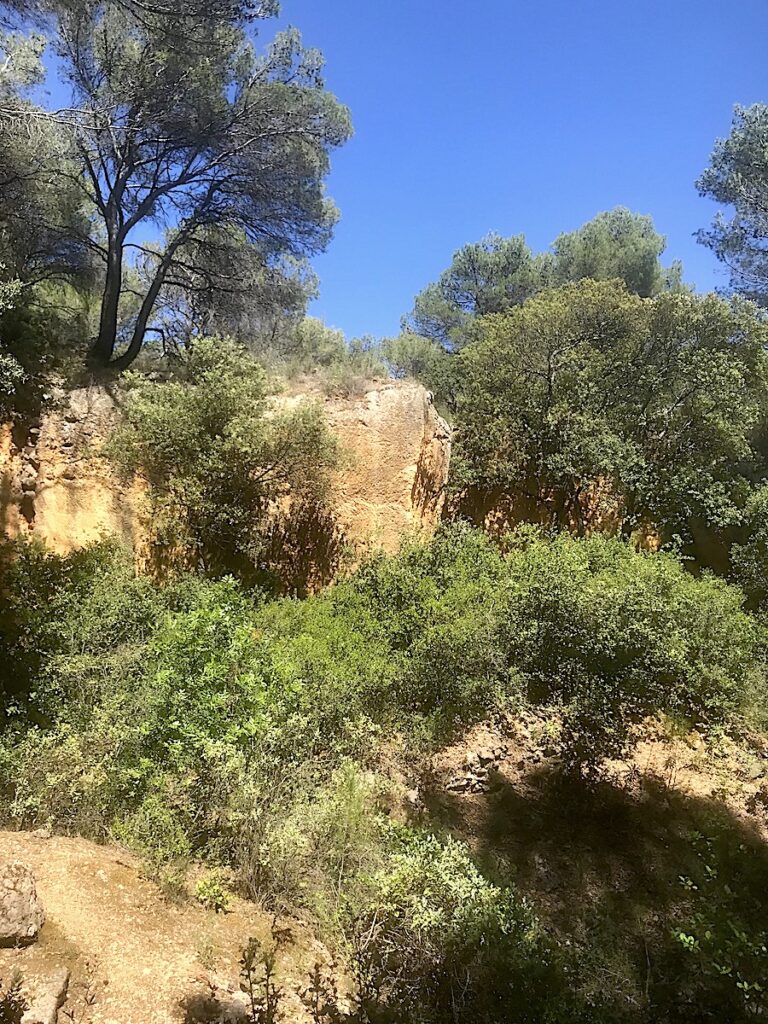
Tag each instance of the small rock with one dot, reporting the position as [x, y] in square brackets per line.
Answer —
[42, 833]
[755, 772]
[695, 740]
[21, 912]
[45, 1007]
[459, 785]
[758, 802]
[486, 757]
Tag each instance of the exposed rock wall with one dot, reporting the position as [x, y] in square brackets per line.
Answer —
[55, 486]
[397, 451]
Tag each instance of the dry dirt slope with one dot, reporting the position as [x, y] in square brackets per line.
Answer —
[151, 961]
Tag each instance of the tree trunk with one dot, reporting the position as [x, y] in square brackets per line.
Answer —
[147, 306]
[104, 346]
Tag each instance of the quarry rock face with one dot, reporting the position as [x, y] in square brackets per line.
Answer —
[397, 451]
[56, 486]
[21, 913]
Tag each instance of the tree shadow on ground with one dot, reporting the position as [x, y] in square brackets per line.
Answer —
[614, 873]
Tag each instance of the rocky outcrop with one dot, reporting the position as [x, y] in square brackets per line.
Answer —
[21, 913]
[53, 483]
[55, 486]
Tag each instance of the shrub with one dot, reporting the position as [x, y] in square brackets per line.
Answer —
[192, 699]
[310, 841]
[749, 558]
[724, 937]
[435, 941]
[410, 355]
[212, 892]
[610, 636]
[219, 459]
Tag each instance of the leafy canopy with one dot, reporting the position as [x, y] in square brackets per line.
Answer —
[218, 458]
[497, 274]
[589, 384]
[737, 177]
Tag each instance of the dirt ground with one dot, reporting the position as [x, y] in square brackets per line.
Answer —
[145, 960]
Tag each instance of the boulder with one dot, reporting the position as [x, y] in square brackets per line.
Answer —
[46, 1005]
[21, 913]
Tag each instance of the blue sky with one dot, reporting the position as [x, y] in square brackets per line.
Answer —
[518, 116]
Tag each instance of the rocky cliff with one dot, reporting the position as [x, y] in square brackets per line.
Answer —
[55, 486]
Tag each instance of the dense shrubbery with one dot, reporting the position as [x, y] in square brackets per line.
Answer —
[725, 934]
[195, 720]
[436, 941]
[661, 398]
[203, 693]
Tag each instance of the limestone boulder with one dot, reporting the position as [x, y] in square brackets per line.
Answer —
[21, 912]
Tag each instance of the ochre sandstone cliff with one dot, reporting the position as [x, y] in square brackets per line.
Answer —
[54, 485]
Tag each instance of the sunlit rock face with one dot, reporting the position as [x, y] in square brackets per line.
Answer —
[57, 487]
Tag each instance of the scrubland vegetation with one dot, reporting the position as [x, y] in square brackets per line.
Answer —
[220, 708]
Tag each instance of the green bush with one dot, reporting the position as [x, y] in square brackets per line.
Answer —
[219, 458]
[436, 941]
[424, 359]
[192, 695]
[308, 842]
[212, 892]
[609, 636]
[723, 942]
[749, 558]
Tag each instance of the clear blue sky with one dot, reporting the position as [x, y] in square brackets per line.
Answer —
[518, 116]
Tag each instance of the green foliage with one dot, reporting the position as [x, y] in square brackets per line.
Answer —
[12, 375]
[611, 636]
[309, 843]
[239, 177]
[725, 935]
[489, 276]
[588, 384]
[737, 176]
[219, 459]
[162, 714]
[212, 892]
[616, 245]
[436, 941]
[257, 979]
[424, 359]
[749, 559]
[496, 274]
[190, 721]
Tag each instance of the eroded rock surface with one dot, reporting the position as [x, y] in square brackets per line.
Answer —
[21, 912]
[55, 486]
